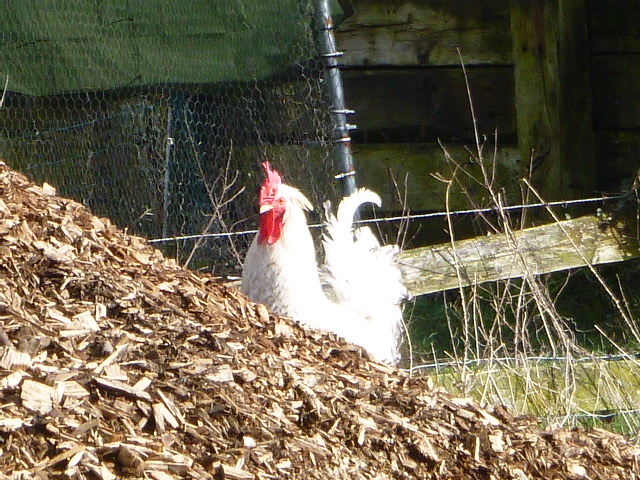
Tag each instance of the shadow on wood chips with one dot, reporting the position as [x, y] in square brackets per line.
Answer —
[116, 362]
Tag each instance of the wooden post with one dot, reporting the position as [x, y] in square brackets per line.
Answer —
[553, 95]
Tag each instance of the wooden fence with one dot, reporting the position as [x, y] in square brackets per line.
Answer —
[558, 81]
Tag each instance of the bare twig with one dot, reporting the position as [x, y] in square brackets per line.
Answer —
[507, 318]
[4, 91]
[221, 192]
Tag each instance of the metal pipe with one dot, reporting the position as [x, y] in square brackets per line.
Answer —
[335, 92]
[168, 161]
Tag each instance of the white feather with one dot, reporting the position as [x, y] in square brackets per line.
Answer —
[362, 275]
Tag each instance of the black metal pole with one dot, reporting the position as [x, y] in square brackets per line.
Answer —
[168, 165]
[335, 92]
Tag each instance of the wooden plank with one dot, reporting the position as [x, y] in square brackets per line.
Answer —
[618, 154]
[538, 250]
[553, 95]
[616, 91]
[614, 26]
[378, 164]
[381, 163]
[396, 32]
[408, 105]
[595, 384]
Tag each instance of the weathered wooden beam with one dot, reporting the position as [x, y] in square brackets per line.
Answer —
[618, 152]
[418, 162]
[614, 26]
[381, 163]
[616, 91]
[430, 103]
[595, 384]
[397, 32]
[537, 250]
[553, 95]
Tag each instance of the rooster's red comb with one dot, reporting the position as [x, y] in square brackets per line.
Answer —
[273, 177]
[270, 186]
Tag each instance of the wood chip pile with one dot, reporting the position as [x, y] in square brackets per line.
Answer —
[117, 363]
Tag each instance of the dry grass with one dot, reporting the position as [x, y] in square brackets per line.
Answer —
[512, 346]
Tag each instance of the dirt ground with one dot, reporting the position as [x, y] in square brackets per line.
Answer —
[117, 363]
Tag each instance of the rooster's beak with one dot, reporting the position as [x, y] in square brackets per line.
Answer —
[265, 208]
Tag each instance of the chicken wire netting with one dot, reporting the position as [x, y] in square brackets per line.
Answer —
[158, 117]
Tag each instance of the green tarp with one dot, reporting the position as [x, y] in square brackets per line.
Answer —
[49, 47]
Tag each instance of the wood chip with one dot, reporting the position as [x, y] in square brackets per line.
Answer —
[62, 254]
[162, 416]
[10, 357]
[122, 388]
[120, 350]
[129, 365]
[142, 384]
[222, 373]
[171, 407]
[233, 473]
[59, 458]
[10, 424]
[37, 396]
[48, 189]
[12, 380]
[74, 389]
[85, 427]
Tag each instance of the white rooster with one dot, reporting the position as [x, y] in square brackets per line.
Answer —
[366, 289]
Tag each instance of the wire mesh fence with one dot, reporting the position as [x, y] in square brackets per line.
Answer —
[158, 118]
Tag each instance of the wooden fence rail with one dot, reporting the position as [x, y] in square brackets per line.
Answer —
[549, 248]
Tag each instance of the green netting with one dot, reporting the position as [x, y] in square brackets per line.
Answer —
[158, 114]
[104, 45]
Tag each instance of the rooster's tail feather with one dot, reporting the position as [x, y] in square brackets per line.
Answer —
[356, 267]
[349, 205]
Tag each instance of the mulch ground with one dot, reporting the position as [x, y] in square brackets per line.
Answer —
[117, 363]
